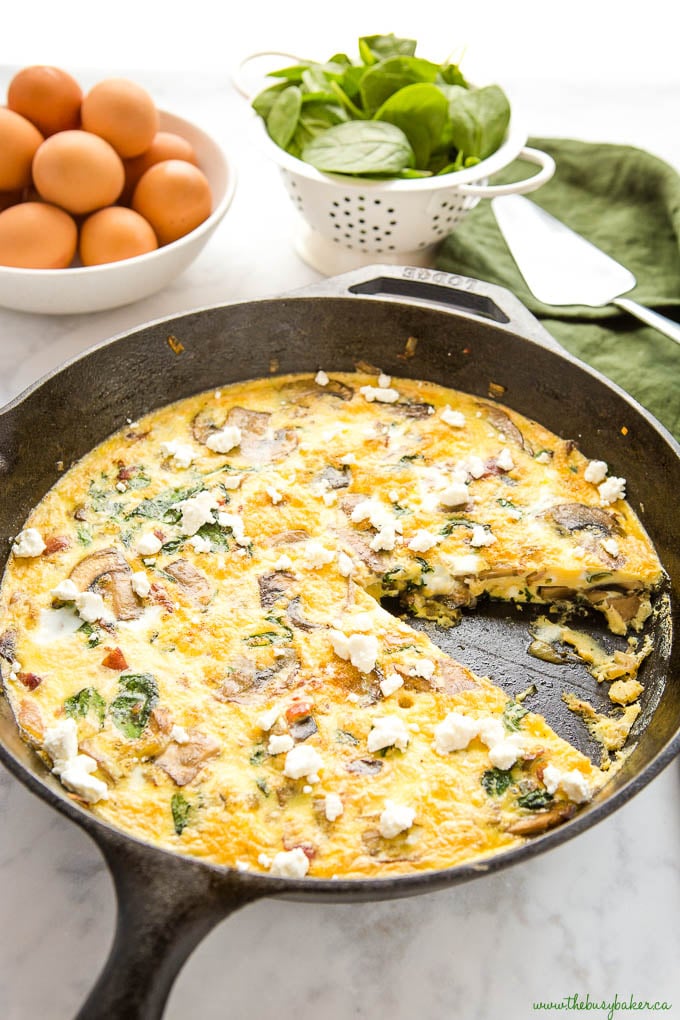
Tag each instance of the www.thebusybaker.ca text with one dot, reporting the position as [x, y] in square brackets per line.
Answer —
[607, 1006]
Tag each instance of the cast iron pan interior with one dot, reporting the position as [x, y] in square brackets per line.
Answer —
[470, 334]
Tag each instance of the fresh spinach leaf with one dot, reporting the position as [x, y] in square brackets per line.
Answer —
[259, 754]
[479, 120]
[284, 115]
[377, 47]
[497, 781]
[389, 76]
[131, 708]
[181, 809]
[86, 701]
[360, 147]
[421, 112]
[263, 101]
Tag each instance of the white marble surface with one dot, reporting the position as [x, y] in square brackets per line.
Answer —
[599, 915]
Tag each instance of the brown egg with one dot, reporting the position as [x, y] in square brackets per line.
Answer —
[37, 236]
[78, 171]
[165, 145]
[19, 141]
[174, 196]
[113, 234]
[47, 96]
[123, 113]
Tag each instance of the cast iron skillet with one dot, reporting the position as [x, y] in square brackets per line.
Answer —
[470, 334]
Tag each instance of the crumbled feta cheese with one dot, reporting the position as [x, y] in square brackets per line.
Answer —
[224, 440]
[361, 621]
[384, 381]
[423, 540]
[391, 684]
[273, 494]
[330, 498]
[290, 864]
[455, 732]
[306, 788]
[455, 494]
[380, 518]
[473, 465]
[612, 489]
[454, 418]
[179, 734]
[345, 565]
[76, 775]
[611, 546]
[543, 457]
[491, 731]
[280, 743]
[242, 866]
[28, 543]
[236, 525]
[348, 459]
[596, 471]
[333, 806]
[264, 861]
[283, 563]
[573, 783]
[384, 395]
[148, 544]
[321, 379]
[61, 743]
[388, 731]
[463, 566]
[395, 818]
[266, 719]
[121, 486]
[353, 697]
[91, 607]
[424, 668]
[480, 536]
[303, 760]
[504, 460]
[360, 649]
[182, 453]
[196, 511]
[317, 555]
[393, 496]
[141, 585]
[231, 481]
[200, 544]
[65, 591]
[504, 754]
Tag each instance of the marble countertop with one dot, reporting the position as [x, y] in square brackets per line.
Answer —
[597, 916]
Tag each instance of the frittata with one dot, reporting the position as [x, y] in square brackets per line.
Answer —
[193, 638]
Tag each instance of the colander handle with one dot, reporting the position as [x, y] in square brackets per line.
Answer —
[541, 159]
[239, 77]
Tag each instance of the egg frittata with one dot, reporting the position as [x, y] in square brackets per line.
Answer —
[193, 639]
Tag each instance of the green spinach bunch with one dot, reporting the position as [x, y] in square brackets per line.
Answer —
[389, 114]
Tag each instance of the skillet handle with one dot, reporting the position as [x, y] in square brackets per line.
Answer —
[447, 291]
[166, 905]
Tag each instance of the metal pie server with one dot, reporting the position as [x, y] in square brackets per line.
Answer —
[561, 268]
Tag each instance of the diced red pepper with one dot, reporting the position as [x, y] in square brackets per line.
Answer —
[114, 659]
[29, 680]
[298, 709]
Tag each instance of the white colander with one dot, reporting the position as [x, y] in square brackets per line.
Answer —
[345, 222]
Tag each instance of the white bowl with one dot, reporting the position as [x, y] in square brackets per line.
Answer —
[347, 222]
[93, 288]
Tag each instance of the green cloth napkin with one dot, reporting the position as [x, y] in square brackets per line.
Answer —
[627, 202]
